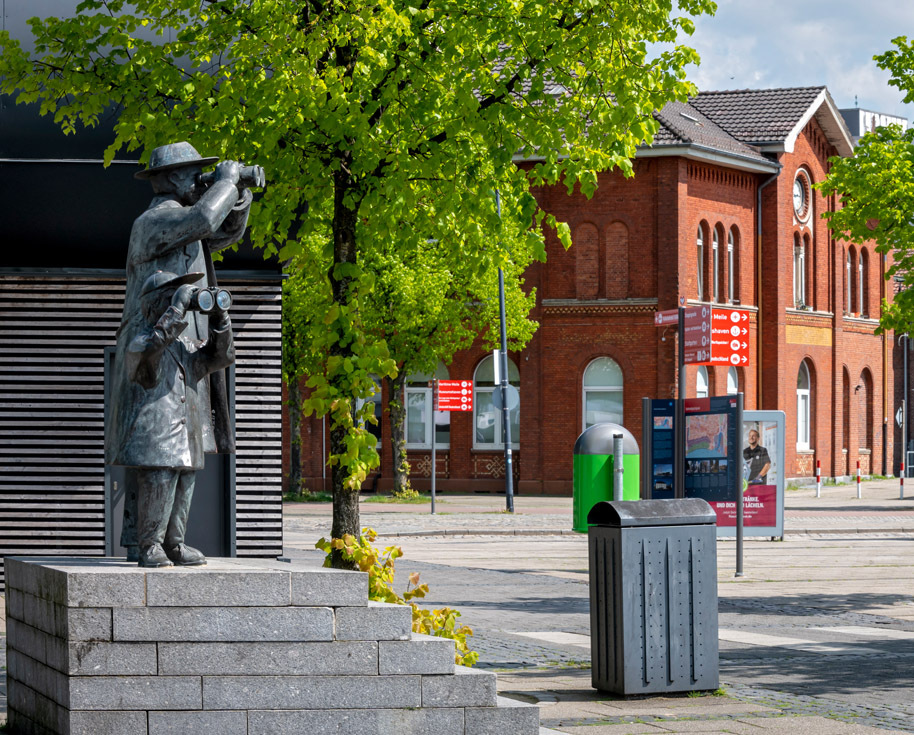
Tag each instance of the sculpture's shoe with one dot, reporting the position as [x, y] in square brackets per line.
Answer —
[133, 553]
[186, 556]
[154, 556]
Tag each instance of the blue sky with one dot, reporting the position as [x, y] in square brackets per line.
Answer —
[799, 43]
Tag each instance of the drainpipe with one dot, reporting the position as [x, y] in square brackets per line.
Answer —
[758, 288]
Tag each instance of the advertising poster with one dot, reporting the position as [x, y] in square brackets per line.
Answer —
[712, 452]
[762, 460]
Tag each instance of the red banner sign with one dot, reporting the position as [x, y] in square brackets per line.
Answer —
[454, 395]
[729, 337]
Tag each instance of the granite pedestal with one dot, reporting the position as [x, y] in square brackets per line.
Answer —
[238, 647]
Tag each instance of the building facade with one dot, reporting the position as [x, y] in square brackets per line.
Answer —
[722, 210]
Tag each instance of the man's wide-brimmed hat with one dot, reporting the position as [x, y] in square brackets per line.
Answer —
[172, 156]
[163, 279]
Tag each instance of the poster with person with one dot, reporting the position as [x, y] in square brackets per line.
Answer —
[762, 455]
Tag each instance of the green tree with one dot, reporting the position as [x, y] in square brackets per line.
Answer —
[392, 120]
[876, 190]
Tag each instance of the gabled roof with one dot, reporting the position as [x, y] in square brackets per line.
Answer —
[682, 123]
[772, 119]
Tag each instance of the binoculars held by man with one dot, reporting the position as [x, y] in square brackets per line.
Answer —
[207, 300]
[248, 176]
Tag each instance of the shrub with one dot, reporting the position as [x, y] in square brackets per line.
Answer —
[380, 567]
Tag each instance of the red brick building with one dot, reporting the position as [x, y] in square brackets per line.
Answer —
[721, 209]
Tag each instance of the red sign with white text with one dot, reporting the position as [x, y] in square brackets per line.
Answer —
[729, 337]
[697, 336]
[455, 395]
[759, 508]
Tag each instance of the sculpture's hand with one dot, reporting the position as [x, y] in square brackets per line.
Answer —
[228, 171]
[182, 297]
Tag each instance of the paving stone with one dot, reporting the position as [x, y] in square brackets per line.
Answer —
[202, 723]
[336, 658]
[203, 587]
[310, 692]
[508, 717]
[465, 688]
[107, 723]
[208, 624]
[378, 621]
[135, 692]
[423, 654]
[347, 721]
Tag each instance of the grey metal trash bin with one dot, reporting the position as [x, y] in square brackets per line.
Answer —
[653, 596]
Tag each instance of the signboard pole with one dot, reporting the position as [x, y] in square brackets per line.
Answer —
[738, 488]
[505, 411]
[434, 437]
[679, 433]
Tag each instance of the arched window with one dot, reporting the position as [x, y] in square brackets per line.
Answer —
[848, 279]
[487, 422]
[701, 382]
[700, 255]
[732, 293]
[863, 286]
[853, 281]
[732, 382]
[421, 418]
[809, 273]
[602, 387]
[846, 409]
[799, 273]
[804, 399]
[715, 265]
[865, 406]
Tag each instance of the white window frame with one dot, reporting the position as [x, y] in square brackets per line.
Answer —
[715, 262]
[426, 392]
[799, 274]
[499, 433]
[730, 280]
[847, 274]
[585, 389]
[804, 398]
[702, 391]
[733, 373]
[700, 242]
[861, 276]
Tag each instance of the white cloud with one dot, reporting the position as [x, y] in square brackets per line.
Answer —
[799, 44]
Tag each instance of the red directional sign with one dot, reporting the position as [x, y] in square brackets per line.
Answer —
[729, 337]
[697, 337]
[455, 395]
[662, 318]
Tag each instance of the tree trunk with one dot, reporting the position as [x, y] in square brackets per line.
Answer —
[397, 407]
[295, 401]
[345, 499]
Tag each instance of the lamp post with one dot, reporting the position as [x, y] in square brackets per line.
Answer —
[503, 370]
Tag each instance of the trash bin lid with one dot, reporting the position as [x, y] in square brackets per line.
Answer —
[598, 439]
[634, 513]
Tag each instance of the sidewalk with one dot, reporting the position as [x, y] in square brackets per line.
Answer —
[817, 637]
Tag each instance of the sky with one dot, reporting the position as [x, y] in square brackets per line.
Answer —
[749, 44]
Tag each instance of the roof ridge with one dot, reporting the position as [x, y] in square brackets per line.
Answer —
[818, 87]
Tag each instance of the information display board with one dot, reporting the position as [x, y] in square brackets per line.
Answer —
[712, 452]
[663, 448]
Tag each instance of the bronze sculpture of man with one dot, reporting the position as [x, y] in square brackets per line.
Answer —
[186, 221]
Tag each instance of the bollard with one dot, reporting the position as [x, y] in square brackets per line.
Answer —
[859, 494]
[618, 468]
[818, 479]
[901, 482]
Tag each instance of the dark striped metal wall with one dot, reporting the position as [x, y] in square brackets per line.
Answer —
[53, 334]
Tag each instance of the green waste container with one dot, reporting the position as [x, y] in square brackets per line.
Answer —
[593, 470]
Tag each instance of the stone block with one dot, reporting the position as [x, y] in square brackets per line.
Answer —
[271, 658]
[465, 688]
[310, 692]
[135, 692]
[423, 654]
[224, 624]
[103, 658]
[32, 705]
[378, 621]
[14, 604]
[106, 723]
[85, 623]
[42, 679]
[202, 723]
[509, 716]
[330, 588]
[78, 581]
[206, 587]
[377, 721]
